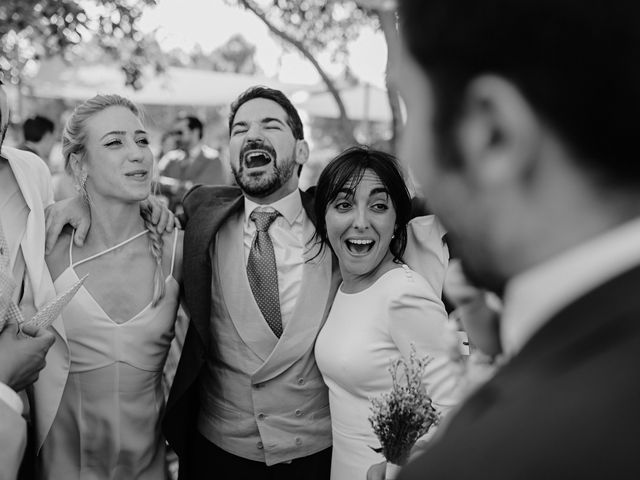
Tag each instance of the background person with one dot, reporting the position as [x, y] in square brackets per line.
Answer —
[191, 163]
[104, 393]
[382, 306]
[522, 130]
[39, 136]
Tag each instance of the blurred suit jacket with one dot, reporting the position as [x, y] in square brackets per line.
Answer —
[205, 169]
[567, 406]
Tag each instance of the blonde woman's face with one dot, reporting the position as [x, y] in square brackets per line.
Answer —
[118, 160]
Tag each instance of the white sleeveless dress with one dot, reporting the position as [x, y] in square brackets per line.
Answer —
[363, 334]
[108, 422]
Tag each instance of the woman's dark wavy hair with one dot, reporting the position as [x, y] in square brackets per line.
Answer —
[348, 168]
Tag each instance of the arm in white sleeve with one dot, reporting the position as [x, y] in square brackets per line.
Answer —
[11, 398]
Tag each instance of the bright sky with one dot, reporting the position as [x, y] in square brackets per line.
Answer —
[210, 23]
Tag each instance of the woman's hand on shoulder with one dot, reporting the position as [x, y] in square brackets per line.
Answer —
[72, 211]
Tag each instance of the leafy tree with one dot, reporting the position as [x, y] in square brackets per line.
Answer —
[34, 29]
[236, 55]
[314, 26]
[310, 27]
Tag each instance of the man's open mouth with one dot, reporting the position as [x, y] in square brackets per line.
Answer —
[257, 158]
[359, 246]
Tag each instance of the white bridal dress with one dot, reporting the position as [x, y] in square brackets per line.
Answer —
[364, 333]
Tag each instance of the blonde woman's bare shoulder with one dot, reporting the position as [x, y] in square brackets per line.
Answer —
[58, 258]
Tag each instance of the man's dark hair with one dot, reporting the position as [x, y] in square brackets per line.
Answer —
[293, 119]
[577, 63]
[346, 171]
[35, 128]
[193, 123]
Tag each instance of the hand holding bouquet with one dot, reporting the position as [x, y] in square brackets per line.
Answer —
[404, 414]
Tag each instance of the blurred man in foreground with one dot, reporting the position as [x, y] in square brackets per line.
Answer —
[522, 132]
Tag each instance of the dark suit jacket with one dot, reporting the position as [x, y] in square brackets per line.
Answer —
[206, 209]
[567, 406]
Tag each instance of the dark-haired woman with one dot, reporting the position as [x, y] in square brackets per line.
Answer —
[381, 308]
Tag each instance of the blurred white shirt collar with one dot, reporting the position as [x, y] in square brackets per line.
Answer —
[534, 296]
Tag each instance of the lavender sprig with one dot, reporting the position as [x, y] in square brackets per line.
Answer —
[405, 413]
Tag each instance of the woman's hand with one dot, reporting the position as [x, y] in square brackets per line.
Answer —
[73, 211]
[157, 216]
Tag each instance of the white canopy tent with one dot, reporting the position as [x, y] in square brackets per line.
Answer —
[363, 102]
[175, 86]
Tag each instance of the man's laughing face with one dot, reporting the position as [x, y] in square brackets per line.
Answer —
[262, 149]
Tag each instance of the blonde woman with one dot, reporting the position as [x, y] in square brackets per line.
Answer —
[98, 413]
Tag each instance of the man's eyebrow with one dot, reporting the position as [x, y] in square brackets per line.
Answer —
[272, 119]
[239, 123]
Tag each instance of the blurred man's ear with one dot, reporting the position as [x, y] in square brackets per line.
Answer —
[302, 152]
[499, 133]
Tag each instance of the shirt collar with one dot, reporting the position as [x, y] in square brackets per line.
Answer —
[534, 296]
[289, 207]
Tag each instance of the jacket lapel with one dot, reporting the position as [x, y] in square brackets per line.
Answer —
[236, 291]
[199, 236]
[320, 280]
[32, 243]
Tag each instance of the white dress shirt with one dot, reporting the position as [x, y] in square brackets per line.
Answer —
[11, 398]
[534, 296]
[287, 236]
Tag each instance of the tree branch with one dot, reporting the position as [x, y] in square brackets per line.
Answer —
[344, 119]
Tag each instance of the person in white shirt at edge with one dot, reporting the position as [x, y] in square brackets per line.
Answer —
[25, 190]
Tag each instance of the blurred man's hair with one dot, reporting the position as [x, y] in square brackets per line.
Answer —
[293, 118]
[193, 123]
[35, 128]
[577, 63]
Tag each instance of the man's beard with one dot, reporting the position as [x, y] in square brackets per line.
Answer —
[266, 183]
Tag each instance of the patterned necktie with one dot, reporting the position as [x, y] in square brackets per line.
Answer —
[9, 311]
[262, 272]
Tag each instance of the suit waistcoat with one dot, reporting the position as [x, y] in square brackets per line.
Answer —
[263, 398]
